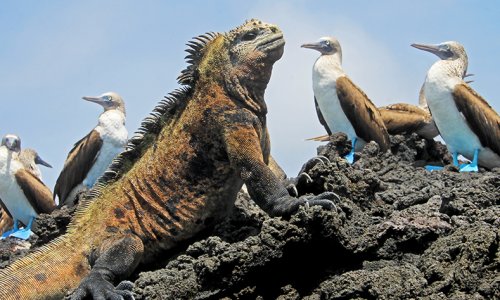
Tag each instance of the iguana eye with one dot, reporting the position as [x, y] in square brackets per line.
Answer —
[249, 36]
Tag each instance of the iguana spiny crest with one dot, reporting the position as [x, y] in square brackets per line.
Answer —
[240, 59]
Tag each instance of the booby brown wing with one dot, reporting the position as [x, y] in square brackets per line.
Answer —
[363, 115]
[37, 193]
[6, 221]
[481, 118]
[403, 117]
[78, 163]
[320, 117]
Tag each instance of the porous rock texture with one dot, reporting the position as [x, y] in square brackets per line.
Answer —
[398, 232]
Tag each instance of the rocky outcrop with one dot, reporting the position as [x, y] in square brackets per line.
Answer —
[398, 232]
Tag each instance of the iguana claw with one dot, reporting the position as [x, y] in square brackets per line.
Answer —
[304, 177]
[323, 159]
[324, 200]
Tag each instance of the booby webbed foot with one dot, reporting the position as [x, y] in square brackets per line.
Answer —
[350, 156]
[468, 168]
[472, 167]
[24, 233]
[9, 232]
[433, 168]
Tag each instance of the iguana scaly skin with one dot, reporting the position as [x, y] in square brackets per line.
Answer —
[178, 175]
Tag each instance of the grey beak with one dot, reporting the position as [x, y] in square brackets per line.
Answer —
[40, 161]
[314, 46]
[429, 48]
[97, 100]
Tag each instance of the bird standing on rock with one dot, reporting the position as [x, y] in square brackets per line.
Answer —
[30, 160]
[91, 156]
[23, 194]
[341, 106]
[466, 122]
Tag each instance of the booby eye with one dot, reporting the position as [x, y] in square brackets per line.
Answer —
[249, 36]
[108, 98]
[327, 43]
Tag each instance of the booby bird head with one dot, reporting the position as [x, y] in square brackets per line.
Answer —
[325, 45]
[108, 101]
[30, 155]
[12, 142]
[446, 51]
[453, 57]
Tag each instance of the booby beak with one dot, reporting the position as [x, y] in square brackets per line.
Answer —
[98, 100]
[40, 161]
[434, 49]
[315, 46]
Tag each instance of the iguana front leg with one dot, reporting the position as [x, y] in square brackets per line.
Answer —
[114, 260]
[244, 148]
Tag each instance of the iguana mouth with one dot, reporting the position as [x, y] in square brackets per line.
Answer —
[272, 43]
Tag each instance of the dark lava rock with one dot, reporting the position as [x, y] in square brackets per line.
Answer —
[398, 232]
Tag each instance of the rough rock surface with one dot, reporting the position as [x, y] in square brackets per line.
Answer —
[398, 232]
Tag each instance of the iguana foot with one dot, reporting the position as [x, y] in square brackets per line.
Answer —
[304, 177]
[97, 287]
[292, 189]
[303, 174]
[324, 200]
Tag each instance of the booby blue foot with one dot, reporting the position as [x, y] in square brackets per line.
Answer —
[24, 233]
[468, 168]
[472, 167]
[350, 156]
[9, 232]
[433, 168]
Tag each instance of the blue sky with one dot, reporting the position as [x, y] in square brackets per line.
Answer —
[54, 52]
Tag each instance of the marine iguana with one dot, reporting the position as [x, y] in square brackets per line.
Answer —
[179, 174]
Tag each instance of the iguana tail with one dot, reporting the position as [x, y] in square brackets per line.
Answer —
[47, 273]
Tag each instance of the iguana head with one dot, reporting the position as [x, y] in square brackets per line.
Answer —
[240, 60]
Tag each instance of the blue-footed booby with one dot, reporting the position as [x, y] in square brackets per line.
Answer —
[91, 156]
[23, 194]
[407, 118]
[30, 160]
[466, 122]
[402, 118]
[341, 106]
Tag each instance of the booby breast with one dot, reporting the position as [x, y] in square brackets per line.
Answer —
[325, 76]
[10, 192]
[114, 135]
